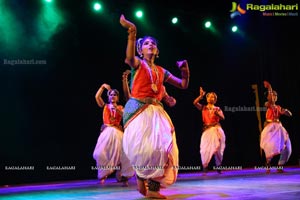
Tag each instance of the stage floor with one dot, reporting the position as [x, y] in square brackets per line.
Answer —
[243, 184]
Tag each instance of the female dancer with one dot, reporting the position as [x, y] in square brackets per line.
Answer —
[274, 137]
[213, 137]
[149, 135]
[108, 152]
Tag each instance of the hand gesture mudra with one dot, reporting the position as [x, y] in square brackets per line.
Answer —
[125, 74]
[106, 86]
[202, 92]
[182, 64]
[127, 24]
[267, 85]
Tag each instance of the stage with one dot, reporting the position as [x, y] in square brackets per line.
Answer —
[231, 184]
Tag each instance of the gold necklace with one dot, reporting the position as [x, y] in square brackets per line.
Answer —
[112, 111]
[153, 85]
[210, 110]
[274, 111]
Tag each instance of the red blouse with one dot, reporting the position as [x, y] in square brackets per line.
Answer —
[141, 85]
[112, 117]
[208, 116]
[273, 113]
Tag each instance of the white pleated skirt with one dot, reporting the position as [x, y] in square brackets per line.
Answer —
[212, 143]
[274, 139]
[149, 142]
[109, 155]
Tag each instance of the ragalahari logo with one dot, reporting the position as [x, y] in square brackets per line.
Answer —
[236, 10]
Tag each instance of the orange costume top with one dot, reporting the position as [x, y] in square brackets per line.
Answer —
[209, 117]
[111, 117]
[273, 113]
[141, 83]
[142, 93]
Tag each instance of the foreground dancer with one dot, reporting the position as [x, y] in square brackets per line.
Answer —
[108, 151]
[149, 136]
[274, 139]
[213, 138]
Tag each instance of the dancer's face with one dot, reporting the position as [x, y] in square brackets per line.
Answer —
[113, 97]
[211, 98]
[149, 46]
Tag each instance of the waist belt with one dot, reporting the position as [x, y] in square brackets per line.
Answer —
[149, 100]
[206, 126]
[270, 120]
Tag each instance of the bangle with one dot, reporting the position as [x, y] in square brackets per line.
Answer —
[132, 38]
[131, 34]
[131, 30]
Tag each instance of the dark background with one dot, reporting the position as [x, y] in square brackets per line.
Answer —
[49, 116]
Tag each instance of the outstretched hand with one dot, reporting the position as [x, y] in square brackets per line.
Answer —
[267, 85]
[127, 24]
[182, 64]
[170, 101]
[126, 73]
[106, 86]
[202, 92]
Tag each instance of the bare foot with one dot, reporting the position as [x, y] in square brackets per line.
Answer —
[141, 187]
[102, 181]
[155, 195]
